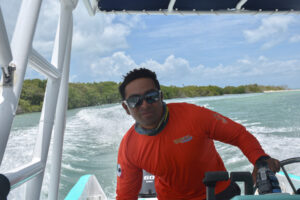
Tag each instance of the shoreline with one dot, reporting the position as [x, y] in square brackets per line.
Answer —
[288, 90]
[20, 112]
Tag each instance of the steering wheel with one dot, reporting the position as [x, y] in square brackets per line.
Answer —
[286, 162]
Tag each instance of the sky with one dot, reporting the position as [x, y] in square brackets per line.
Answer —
[183, 50]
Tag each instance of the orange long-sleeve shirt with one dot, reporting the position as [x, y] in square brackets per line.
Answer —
[181, 153]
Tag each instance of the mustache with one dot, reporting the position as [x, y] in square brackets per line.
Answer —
[146, 110]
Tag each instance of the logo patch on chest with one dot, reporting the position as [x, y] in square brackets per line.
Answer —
[119, 170]
[184, 139]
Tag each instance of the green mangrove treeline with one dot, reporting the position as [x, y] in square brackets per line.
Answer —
[91, 94]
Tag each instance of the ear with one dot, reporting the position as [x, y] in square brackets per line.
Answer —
[125, 108]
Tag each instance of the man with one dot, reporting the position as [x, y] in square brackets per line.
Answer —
[174, 142]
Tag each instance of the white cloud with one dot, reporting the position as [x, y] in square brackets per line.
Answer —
[46, 28]
[43, 46]
[191, 26]
[177, 71]
[244, 61]
[270, 31]
[46, 25]
[132, 21]
[271, 43]
[102, 33]
[10, 11]
[113, 67]
[97, 38]
[262, 58]
[171, 70]
[295, 38]
[99, 35]
[91, 35]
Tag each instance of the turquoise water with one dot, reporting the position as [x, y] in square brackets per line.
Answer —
[93, 134]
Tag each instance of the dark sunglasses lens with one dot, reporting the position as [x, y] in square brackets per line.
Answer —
[152, 97]
[134, 101]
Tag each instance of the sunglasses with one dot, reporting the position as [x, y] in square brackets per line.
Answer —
[137, 100]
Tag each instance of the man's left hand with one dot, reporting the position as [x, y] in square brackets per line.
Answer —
[273, 164]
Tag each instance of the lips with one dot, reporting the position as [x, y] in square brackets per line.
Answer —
[147, 114]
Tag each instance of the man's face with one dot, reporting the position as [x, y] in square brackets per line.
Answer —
[147, 115]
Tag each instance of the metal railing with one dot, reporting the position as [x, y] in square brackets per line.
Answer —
[18, 55]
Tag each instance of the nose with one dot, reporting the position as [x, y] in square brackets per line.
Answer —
[144, 104]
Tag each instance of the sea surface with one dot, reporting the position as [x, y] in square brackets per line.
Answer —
[93, 135]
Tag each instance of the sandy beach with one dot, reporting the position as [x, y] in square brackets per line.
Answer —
[292, 90]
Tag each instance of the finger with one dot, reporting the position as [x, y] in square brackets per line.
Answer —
[254, 174]
[274, 165]
[273, 168]
[254, 178]
[277, 166]
[271, 164]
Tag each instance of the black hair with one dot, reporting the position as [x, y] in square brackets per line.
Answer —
[135, 74]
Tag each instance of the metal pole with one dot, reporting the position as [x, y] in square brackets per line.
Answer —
[20, 175]
[5, 52]
[60, 122]
[21, 46]
[40, 64]
[50, 100]
[91, 7]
